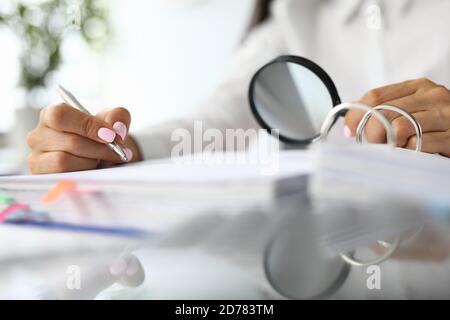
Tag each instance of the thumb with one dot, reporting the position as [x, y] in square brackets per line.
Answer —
[352, 119]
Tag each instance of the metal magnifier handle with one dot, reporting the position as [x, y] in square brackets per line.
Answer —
[391, 247]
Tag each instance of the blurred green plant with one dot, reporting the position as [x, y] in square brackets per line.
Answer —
[42, 25]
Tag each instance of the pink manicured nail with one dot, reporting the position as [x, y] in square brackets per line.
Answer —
[106, 134]
[118, 267]
[128, 153]
[347, 132]
[121, 129]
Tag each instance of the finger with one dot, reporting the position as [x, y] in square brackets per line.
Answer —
[64, 118]
[412, 96]
[400, 94]
[48, 140]
[119, 119]
[416, 103]
[433, 142]
[430, 121]
[352, 119]
[431, 98]
[395, 91]
[376, 132]
[57, 162]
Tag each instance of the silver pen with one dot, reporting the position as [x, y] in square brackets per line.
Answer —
[73, 102]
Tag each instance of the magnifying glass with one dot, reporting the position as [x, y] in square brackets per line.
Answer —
[294, 95]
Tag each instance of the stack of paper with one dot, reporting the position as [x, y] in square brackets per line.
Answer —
[380, 168]
[153, 196]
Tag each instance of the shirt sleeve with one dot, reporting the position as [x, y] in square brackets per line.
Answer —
[227, 107]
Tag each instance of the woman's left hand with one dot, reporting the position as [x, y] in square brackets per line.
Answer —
[428, 102]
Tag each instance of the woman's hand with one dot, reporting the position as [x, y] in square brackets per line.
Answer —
[428, 102]
[68, 140]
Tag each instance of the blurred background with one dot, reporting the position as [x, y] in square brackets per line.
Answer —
[158, 58]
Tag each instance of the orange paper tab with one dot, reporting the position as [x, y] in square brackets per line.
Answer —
[58, 190]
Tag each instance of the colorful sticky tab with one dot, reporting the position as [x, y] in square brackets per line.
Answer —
[18, 215]
[28, 215]
[4, 199]
[58, 190]
[4, 215]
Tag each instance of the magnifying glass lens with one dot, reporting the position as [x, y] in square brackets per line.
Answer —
[292, 98]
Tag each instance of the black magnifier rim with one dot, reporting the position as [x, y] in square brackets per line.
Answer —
[313, 67]
[327, 292]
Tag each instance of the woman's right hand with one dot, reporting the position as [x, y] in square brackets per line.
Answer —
[67, 139]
